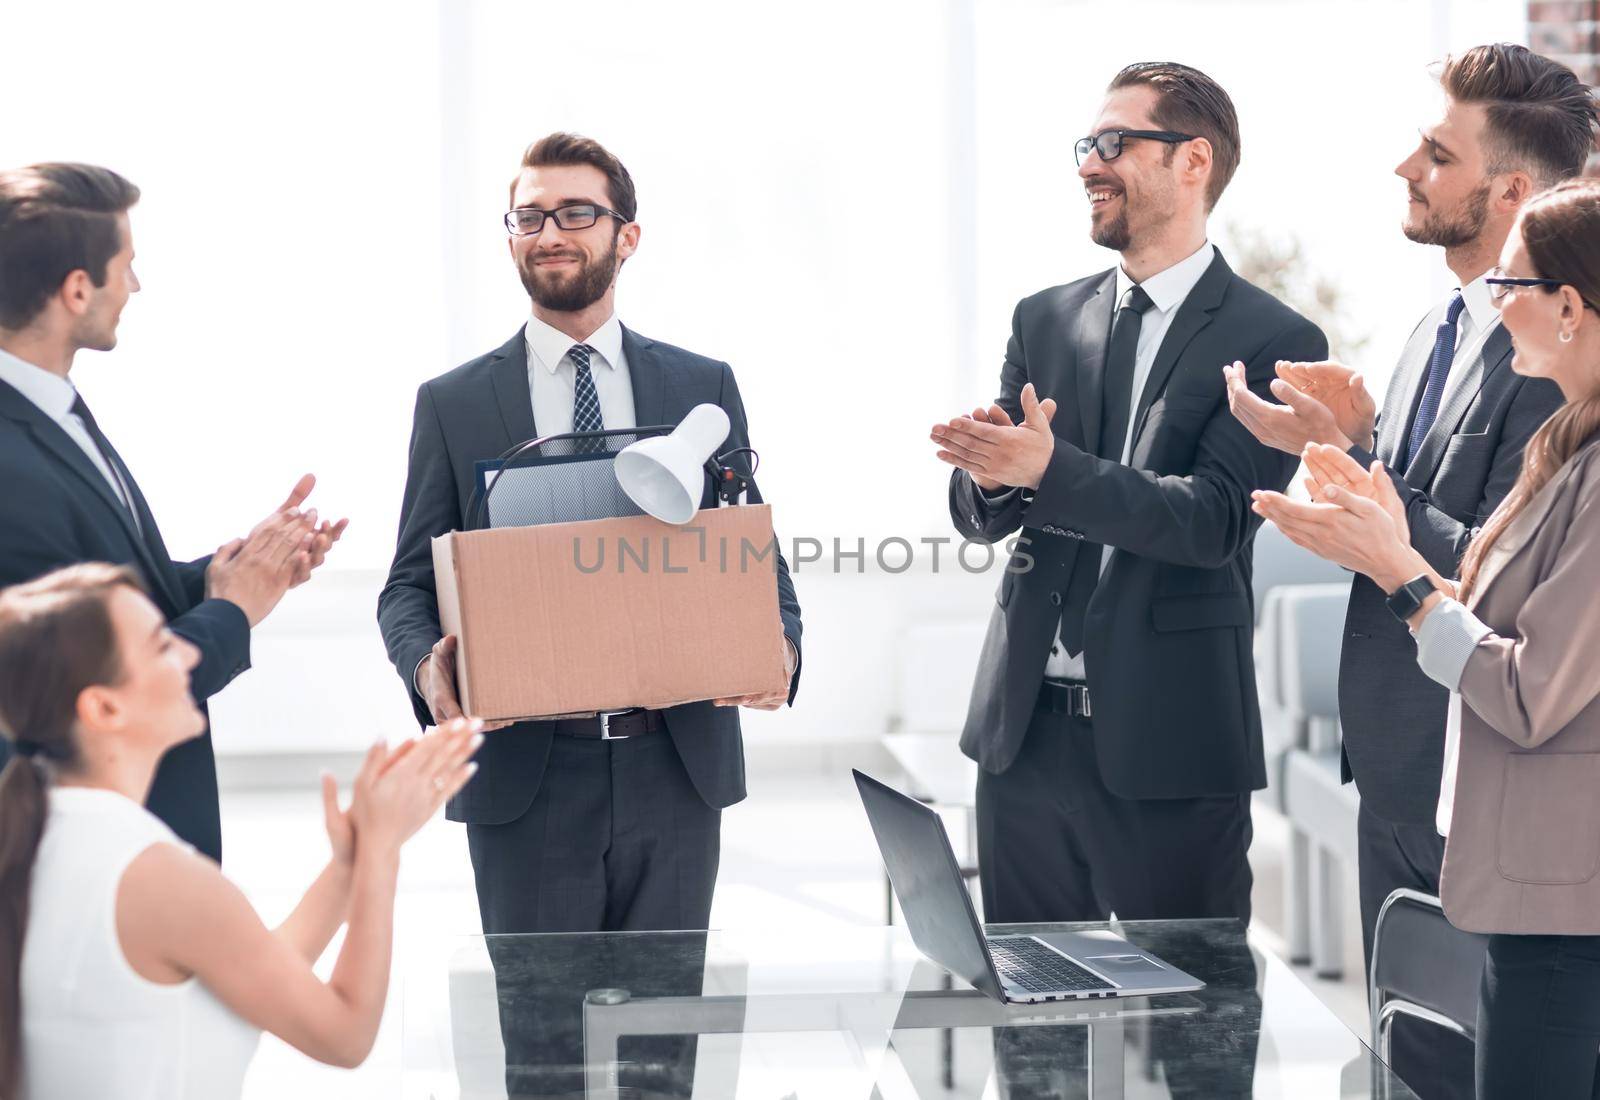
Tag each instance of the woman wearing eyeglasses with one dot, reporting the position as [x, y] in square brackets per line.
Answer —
[1517, 641]
[129, 967]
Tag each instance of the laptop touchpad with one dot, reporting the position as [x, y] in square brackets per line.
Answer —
[1116, 966]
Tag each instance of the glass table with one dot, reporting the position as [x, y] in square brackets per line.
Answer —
[846, 1012]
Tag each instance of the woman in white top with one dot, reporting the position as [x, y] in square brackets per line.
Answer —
[129, 967]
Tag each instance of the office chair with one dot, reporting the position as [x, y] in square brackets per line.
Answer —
[1423, 967]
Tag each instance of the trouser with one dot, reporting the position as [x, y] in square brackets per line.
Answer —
[1539, 1018]
[616, 840]
[1434, 1063]
[1054, 844]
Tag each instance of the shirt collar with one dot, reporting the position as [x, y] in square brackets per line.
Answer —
[1479, 305]
[549, 344]
[53, 394]
[1168, 288]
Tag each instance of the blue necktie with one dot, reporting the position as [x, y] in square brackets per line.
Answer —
[585, 401]
[1444, 353]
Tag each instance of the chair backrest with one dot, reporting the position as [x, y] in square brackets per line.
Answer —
[1420, 958]
[1278, 561]
[1311, 635]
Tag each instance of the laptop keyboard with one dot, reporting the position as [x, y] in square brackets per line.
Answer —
[1032, 966]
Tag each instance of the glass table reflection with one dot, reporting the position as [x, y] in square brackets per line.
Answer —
[843, 1012]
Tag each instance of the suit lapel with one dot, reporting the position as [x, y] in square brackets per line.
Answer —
[1193, 315]
[508, 374]
[1094, 333]
[49, 435]
[1394, 423]
[1494, 354]
[648, 378]
[160, 557]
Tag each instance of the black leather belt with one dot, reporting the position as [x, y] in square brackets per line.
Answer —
[1067, 697]
[615, 726]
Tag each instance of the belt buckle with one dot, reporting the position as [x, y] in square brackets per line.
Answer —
[605, 717]
[1080, 697]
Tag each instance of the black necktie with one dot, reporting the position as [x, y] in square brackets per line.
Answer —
[120, 482]
[585, 401]
[1116, 404]
[1116, 395]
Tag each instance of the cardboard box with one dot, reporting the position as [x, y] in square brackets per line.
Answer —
[574, 618]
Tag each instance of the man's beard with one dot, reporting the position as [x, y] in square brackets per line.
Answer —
[1113, 233]
[1455, 228]
[574, 292]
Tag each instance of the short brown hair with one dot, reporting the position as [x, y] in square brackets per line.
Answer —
[1540, 115]
[55, 219]
[1190, 102]
[562, 150]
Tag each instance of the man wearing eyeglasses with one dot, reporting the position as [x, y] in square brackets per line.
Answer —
[573, 825]
[1114, 714]
[1454, 423]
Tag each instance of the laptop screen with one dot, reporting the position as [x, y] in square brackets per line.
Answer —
[927, 880]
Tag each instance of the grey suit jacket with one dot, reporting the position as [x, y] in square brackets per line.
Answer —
[1394, 716]
[1524, 846]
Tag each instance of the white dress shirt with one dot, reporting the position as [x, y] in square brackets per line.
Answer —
[552, 376]
[1473, 328]
[1445, 641]
[54, 396]
[1167, 290]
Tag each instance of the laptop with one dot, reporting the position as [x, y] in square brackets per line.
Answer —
[1017, 968]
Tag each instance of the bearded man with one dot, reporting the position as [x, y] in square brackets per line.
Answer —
[1450, 435]
[610, 823]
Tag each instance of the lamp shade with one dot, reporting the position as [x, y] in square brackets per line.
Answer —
[665, 474]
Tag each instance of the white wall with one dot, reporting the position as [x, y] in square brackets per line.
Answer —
[842, 199]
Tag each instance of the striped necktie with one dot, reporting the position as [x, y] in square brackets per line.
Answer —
[585, 401]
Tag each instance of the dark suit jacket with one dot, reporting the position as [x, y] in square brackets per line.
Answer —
[477, 412]
[1393, 715]
[57, 510]
[1168, 630]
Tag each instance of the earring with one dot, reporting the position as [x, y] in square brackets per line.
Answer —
[1565, 337]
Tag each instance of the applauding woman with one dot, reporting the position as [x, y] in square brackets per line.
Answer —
[1517, 640]
[129, 967]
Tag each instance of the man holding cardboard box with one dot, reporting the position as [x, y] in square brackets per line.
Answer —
[609, 822]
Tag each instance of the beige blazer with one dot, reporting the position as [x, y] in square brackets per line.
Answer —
[1523, 854]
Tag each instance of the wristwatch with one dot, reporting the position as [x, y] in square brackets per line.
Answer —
[1409, 596]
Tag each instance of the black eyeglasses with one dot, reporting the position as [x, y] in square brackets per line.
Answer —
[526, 221]
[1501, 285]
[1108, 143]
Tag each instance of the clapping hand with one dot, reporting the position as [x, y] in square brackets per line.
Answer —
[997, 452]
[1331, 468]
[1301, 419]
[1342, 391]
[1355, 518]
[279, 553]
[398, 790]
[323, 534]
